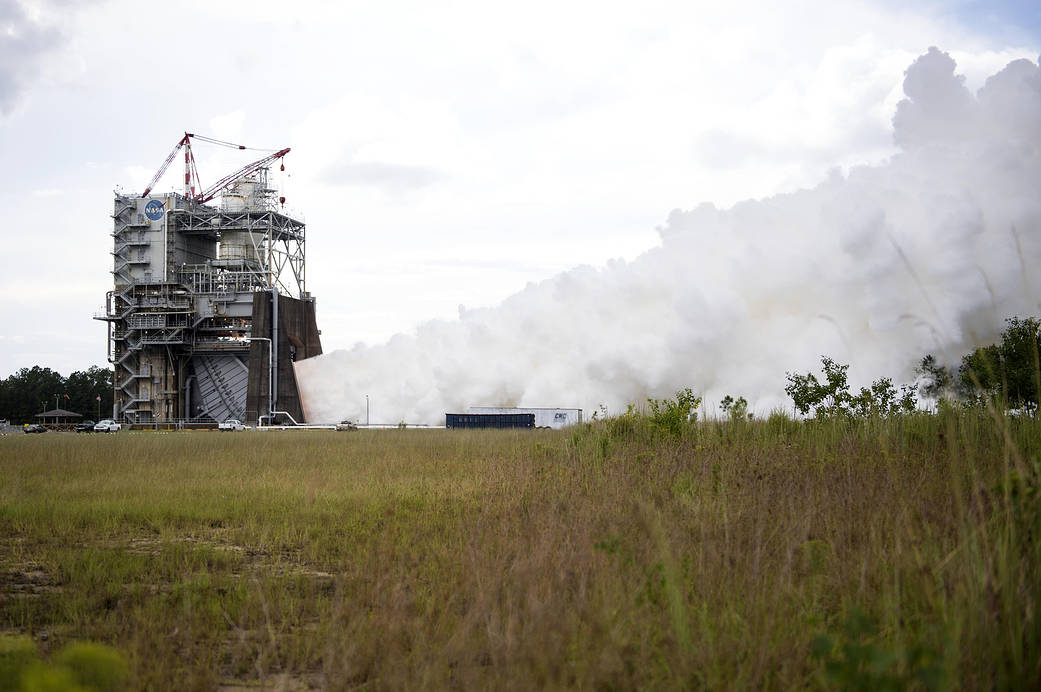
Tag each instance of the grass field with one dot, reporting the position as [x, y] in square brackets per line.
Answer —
[771, 554]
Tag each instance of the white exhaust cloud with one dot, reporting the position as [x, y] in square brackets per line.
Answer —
[926, 253]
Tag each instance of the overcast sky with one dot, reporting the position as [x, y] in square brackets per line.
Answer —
[444, 154]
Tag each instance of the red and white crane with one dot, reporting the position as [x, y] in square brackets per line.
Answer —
[250, 168]
[191, 172]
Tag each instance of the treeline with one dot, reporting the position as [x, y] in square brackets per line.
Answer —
[1005, 376]
[35, 390]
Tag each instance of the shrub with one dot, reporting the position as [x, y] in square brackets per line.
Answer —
[83, 666]
[16, 653]
[735, 409]
[832, 398]
[826, 399]
[857, 658]
[94, 666]
[673, 416]
[1005, 373]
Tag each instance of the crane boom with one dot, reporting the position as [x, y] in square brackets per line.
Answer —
[191, 173]
[211, 192]
[166, 164]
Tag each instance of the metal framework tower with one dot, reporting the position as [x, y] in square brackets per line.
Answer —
[209, 306]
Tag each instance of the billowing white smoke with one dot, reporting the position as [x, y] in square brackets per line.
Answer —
[928, 253]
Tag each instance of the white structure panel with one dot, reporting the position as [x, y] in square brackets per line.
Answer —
[544, 417]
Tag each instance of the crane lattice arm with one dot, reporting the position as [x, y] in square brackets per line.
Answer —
[166, 164]
[212, 191]
[191, 172]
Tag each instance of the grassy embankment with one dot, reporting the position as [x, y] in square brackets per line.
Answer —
[763, 554]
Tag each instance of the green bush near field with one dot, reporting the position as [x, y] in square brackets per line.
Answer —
[79, 667]
[650, 550]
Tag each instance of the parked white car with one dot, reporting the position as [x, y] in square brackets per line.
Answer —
[231, 424]
[107, 425]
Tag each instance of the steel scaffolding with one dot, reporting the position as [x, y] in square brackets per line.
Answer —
[186, 275]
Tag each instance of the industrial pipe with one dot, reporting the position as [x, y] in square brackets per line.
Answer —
[188, 397]
[274, 347]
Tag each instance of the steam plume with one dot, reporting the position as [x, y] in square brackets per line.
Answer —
[927, 253]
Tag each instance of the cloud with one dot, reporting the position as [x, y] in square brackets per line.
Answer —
[723, 149]
[390, 177]
[938, 107]
[228, 126]
[1011, 101]
[24, 42]
[562, 132]
[925, 253]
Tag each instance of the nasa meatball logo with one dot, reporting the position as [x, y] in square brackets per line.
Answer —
[154, 210]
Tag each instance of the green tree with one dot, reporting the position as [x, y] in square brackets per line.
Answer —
[1007, 373]
[828, 398]
[28, 392]
[32, 390]
[832, 398]
[85, 386]
[937, 381]
[735, 409]
[673, 416]
[882, 399]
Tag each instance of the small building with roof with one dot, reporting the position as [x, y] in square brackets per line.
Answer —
[58, 418]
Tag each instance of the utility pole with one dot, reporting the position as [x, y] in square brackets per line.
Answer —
[366, 410]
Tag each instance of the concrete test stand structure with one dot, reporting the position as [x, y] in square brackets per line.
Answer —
[209, 308]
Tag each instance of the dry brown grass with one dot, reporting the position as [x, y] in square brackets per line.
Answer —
[773, 554]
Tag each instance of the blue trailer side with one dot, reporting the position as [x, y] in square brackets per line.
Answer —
[490, 420]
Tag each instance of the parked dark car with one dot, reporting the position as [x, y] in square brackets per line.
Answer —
[85, 426]
[34, 428]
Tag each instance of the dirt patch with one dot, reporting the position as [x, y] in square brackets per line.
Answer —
[284, 682]
[27, 581]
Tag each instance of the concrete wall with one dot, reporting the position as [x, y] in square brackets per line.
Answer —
[298, 338]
